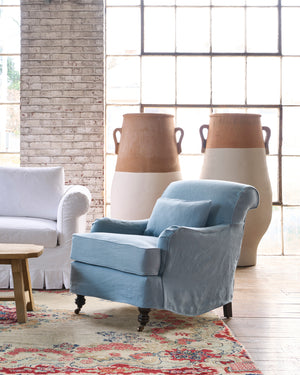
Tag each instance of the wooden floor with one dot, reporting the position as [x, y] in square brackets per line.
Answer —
[266, 313]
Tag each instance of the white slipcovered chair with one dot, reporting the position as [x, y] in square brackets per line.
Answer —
[37, 207]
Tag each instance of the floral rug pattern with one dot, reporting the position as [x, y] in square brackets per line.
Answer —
[103, 339]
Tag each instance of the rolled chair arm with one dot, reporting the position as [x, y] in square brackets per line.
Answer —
[74, 203]
[119, 226]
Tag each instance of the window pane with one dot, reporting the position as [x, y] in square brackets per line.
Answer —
[193, 2]
[10, 160]
[194, 35]
[9, 128]
[291, 131]
[228, 80]
[228, 2]
[271, 243]
[123, 80]
[193, 80]
[10, 30]
[263, 80]
[291, 230]
[261, 3]
[290, 2]
[262, 38]
[272, 163]
[158, 80]
[190, 120]
[9, 79]
[229, 110]
[159, 29]
[10, 2]
[228, 30]
[290, 175]
[114, 119]
[290, 31]
[290, 80]
[191, 166]
[167, 110]
[159, 2]
[110, 167]
[123, 31]
[123, 2]
[107, 212]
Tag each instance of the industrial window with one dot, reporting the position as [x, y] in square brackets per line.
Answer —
[192, 58]
[9, 82]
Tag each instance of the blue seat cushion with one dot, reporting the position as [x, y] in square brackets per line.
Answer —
[124, 252]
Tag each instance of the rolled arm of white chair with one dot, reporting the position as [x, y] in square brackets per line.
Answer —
[198, 266]
[73, 205]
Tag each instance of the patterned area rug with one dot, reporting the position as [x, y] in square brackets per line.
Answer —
[103, 339]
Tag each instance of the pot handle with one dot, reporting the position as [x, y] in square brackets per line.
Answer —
[180, 139]
[267, 137]
[117, 144]
[203, 139]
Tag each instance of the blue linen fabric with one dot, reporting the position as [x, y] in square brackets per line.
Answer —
[191, 270]
[167, 212]
[230, 200]
[199, 268]
[109, 225]
[114, 285]
[124, 252]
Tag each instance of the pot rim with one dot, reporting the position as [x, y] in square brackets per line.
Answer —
[236, 114]
[143, 114]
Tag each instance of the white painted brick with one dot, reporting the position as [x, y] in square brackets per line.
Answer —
[62, 91]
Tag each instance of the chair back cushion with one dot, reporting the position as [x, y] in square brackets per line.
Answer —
[30, 191]
[230, 201]
[167, 212]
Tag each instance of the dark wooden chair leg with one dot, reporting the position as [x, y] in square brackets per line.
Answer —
[227, 309]
[143, 318]
[80, 301]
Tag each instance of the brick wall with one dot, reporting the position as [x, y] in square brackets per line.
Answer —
[62, 91]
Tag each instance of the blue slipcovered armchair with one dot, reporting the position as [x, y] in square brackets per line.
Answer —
[182, 259]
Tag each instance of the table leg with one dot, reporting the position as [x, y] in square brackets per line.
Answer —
[17, 271]
[27, 284]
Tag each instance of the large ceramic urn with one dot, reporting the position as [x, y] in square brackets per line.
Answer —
[235, 150]
[147, 163]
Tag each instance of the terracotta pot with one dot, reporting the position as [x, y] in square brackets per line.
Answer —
[235, 150]
[147, 162]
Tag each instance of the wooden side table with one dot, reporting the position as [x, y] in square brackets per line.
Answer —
[17, 256]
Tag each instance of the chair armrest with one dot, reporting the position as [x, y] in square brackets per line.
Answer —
[199, 266]
[109, 225]
[205, 233]
[74, 204]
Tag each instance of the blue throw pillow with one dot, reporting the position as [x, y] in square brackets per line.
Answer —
[167, 212]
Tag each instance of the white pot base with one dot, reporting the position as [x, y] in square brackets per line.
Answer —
[133, 195]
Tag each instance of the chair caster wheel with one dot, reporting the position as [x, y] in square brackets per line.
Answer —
[80, 301]
[140, 328]
[143, 318]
